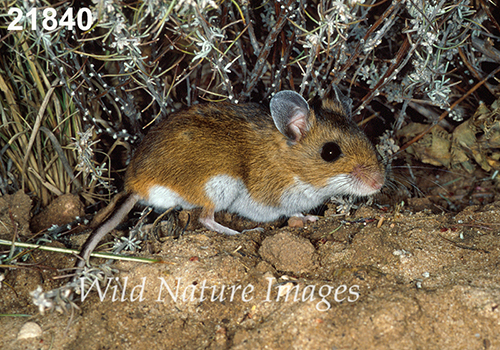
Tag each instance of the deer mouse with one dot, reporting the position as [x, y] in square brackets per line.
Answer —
[261, 163]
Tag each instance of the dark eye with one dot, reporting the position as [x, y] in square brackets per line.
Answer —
[330, 152]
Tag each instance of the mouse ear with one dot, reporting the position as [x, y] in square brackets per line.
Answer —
[290, 113]
[344, 101]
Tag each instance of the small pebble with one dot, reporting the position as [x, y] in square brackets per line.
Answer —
[296, 222]
[29, 330]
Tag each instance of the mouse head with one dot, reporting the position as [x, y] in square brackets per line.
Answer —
[325, 147]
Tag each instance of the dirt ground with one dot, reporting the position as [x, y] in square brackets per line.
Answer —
[412, 276]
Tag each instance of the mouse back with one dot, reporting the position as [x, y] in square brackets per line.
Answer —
[190, 147]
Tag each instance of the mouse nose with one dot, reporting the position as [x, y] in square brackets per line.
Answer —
[373, 179]
[377, 180]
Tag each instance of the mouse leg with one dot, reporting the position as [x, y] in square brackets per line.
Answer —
[257, 229]
[207, 220]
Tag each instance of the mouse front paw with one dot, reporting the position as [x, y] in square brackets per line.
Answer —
[300, 220]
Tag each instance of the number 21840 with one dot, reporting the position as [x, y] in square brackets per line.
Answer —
[50, 20]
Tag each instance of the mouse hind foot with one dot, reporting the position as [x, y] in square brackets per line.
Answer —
[208, 221]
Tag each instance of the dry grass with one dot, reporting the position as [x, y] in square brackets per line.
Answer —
[73, 102]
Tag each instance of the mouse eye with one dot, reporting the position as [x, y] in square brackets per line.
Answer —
[330, 152]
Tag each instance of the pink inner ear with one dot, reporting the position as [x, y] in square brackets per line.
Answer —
[298, 125]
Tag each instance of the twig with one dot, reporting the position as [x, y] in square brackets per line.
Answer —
[266, 49]
[75, 252]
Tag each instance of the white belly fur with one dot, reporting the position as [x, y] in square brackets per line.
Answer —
[230, 194]
[162, 197]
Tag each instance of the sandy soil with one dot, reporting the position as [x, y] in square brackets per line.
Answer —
[394, 277]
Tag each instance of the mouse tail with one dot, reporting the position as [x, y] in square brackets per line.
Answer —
[120, 211]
